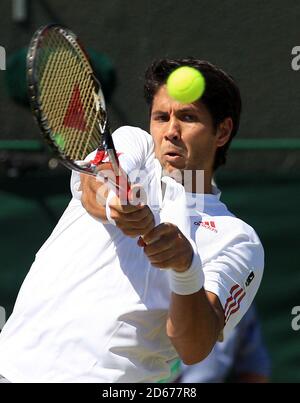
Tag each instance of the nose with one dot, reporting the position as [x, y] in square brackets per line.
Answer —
[173, 131]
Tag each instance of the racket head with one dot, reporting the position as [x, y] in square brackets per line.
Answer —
[65, 97]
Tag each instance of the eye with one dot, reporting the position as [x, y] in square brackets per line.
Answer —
[188, 117]
[161, 117]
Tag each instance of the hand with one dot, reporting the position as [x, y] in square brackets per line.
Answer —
[94, 194]
[95, 190]
[132, 219]
[167, 248]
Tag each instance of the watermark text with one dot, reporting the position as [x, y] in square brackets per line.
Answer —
[186, 188]
[296, 320]
[2, 317]
[2, 58]
[295, 64]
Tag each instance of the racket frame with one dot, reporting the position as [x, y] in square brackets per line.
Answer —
[107, 145]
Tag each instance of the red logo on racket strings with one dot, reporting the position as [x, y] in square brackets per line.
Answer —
[207, 224]
[75, 117]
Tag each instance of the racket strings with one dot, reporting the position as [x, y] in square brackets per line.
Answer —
[92, 135]
[53, 80]
[67, 94]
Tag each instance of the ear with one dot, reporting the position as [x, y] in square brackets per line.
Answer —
[224, 132]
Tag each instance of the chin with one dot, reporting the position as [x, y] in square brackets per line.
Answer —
[174, 172]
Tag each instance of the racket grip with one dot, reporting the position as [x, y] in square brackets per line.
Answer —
[141, 242]
[123, 188]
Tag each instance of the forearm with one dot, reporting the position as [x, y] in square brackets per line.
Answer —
[96, 210]
[93, 199]
[194, 324]
[196, 317]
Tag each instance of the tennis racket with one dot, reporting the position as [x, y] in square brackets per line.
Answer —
[68, 103]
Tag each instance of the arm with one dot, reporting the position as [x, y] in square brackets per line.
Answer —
[195, 320]
[194, 324]
[233, 275]
[135, 151]
[94, 205]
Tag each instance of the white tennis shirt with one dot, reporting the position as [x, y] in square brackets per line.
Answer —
[92, 308]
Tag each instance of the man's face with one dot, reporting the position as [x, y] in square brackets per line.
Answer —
[183, 134]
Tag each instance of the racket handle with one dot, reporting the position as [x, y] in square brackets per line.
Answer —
[141, 242]
[123, 188]
[113, 158]
[119, 179]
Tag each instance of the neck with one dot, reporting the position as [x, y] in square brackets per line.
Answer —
[198, 182]
[194, 181]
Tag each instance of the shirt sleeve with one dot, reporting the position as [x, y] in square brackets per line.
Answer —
[234, 275]
[134, 147]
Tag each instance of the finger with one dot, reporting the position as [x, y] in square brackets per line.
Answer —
[161, 257]
[145, 224]
[144, 213]
[166, 264]
[158, 232]
[142, 227]
[123, 208]
[162, 244]
[148, 228]
[133, 233]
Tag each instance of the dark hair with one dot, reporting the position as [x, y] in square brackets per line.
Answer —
[221, 96]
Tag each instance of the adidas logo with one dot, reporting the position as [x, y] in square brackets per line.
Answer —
[208, 225]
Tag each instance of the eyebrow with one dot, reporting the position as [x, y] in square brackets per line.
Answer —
[190, 109]
[183, 110]
[158, 112]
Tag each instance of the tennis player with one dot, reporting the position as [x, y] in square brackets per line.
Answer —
[94, 306]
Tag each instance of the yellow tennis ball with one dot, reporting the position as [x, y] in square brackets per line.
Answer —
[186, 84]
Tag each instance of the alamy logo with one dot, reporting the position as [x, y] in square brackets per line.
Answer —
[2, 317]
[2, 58]
[296, 320]
[295, 64]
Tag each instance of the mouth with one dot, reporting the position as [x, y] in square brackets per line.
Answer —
[173, 153]
[173, 156]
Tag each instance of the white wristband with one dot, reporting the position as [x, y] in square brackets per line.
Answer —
[189, 281]
[110, 196]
